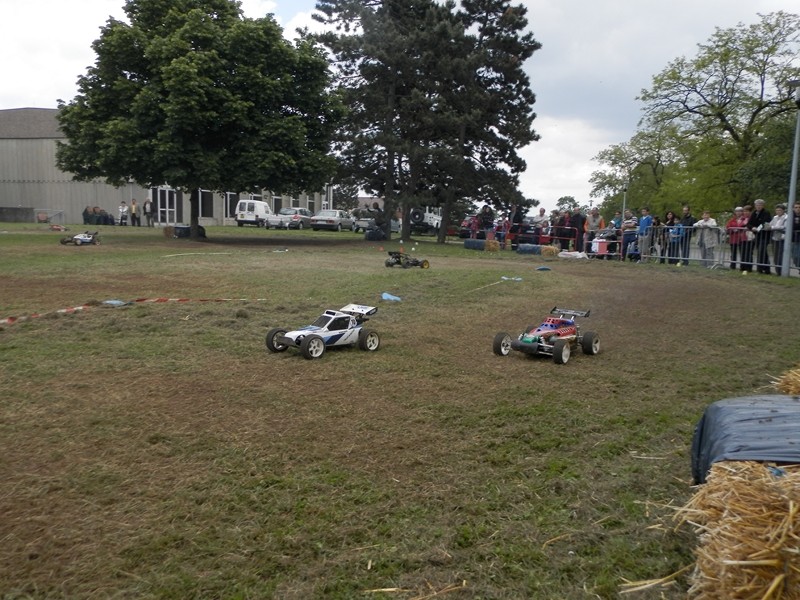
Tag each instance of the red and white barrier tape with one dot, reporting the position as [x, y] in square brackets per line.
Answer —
[74, 309]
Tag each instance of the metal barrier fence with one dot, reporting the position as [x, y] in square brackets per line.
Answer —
[711, 247]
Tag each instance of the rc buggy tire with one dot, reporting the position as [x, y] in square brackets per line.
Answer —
[389, 262]
[369, 340]
[78, 241]
[272, 336]
[312, 346]
[502, 344]
[590, 344]
[425, 264]
[561, 351]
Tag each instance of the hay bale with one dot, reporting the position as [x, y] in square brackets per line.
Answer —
[789, 382]
[747, 516]
[534, 249]
[492, 246]
[550, 251]
[473, 244]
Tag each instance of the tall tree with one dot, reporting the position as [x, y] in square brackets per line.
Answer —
[724, 99]
[191, 93]
[440, 101]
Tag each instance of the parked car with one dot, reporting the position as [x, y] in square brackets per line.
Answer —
[252, 212]
[468, 225]
[335, 220]
[290, 218]
[364, 223]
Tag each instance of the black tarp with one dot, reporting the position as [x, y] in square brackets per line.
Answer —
[760, 428]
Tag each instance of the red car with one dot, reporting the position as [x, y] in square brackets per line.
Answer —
[556, 336]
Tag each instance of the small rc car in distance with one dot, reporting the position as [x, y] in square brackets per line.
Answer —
[557, 336]
[81, 239]
[343, 327]
[406, 261]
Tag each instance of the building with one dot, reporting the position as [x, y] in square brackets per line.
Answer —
[32, 184]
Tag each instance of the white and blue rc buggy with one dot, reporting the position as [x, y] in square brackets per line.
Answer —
[343, 327]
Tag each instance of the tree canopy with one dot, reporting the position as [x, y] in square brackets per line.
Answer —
[713, 131]
[439, 103]
[193, 94]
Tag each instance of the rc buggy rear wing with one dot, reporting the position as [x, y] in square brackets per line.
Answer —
[569, 312]
[359, 310]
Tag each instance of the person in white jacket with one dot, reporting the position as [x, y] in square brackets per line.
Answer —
[777, 227]
[123, 213]
[707, 239]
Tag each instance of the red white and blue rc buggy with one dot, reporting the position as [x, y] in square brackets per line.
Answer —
[343, 327]
[557, 336]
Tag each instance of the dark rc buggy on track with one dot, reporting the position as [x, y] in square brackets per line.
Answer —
[406, 261]
[557, 336]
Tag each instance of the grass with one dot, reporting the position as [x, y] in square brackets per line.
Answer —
[158, 451]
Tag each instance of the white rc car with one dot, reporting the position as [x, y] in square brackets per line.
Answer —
[343, 327]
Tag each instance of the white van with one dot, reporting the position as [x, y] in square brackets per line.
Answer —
[252, 212]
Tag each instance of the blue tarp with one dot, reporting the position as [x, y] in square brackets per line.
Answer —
[760, 428]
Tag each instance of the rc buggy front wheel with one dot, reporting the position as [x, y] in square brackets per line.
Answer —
[273, 335]
[590, 344]
[368, 340]
[312, 346]
[561, 351]
[502, 344]
[425, 264]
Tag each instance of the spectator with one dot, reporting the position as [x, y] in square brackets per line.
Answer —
[577, 225]
[630, 226]
[671, 246]
[748, 243]
[687, 222]
[644, 234]
[777, 227]
[376, 212]
[136, 220]
[707, 239]
[758, 224]
[88, 216]
[123, 213]
[616, 221]
[735, 228]
[540, 224]
[147, 209]
[561, 230]
[658, 243]
[594, 225]
[796, 234]
[486, 221]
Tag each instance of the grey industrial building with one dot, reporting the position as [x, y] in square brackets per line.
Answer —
[33, 188]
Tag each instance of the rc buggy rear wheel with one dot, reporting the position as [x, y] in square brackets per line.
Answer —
[561, 351]
[502, 344]
[312, 346]
[425, 264]
[368, 340]
[590, 344]
[273, 335]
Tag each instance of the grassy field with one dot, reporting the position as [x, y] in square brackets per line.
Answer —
[156, 450]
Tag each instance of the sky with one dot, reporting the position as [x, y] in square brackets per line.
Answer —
[596, 57]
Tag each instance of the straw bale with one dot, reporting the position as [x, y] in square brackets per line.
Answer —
[550, 251]
[492, 246]
[747, 515]
[789, 382]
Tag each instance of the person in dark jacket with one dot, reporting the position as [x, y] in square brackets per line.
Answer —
[687, 221]
[758, 225]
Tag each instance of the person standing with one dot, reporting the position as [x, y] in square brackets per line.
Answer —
[486, 221]
[707, 239]
[669, 247]
[594, 225]
[123, 213]
[735, 228]
[136, 220]
[540, 224]
[796, 234]
[630, 227]
[758, 225]
[746, 263]
[577, 225]
[687, 222]
[777, 227]
[147, 209]
[644, 234]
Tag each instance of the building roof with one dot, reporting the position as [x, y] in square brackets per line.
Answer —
[29, 123]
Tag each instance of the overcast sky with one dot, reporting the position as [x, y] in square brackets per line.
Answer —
[596, 56]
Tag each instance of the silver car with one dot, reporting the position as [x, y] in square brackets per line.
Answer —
[290, 218]
[335, 220]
